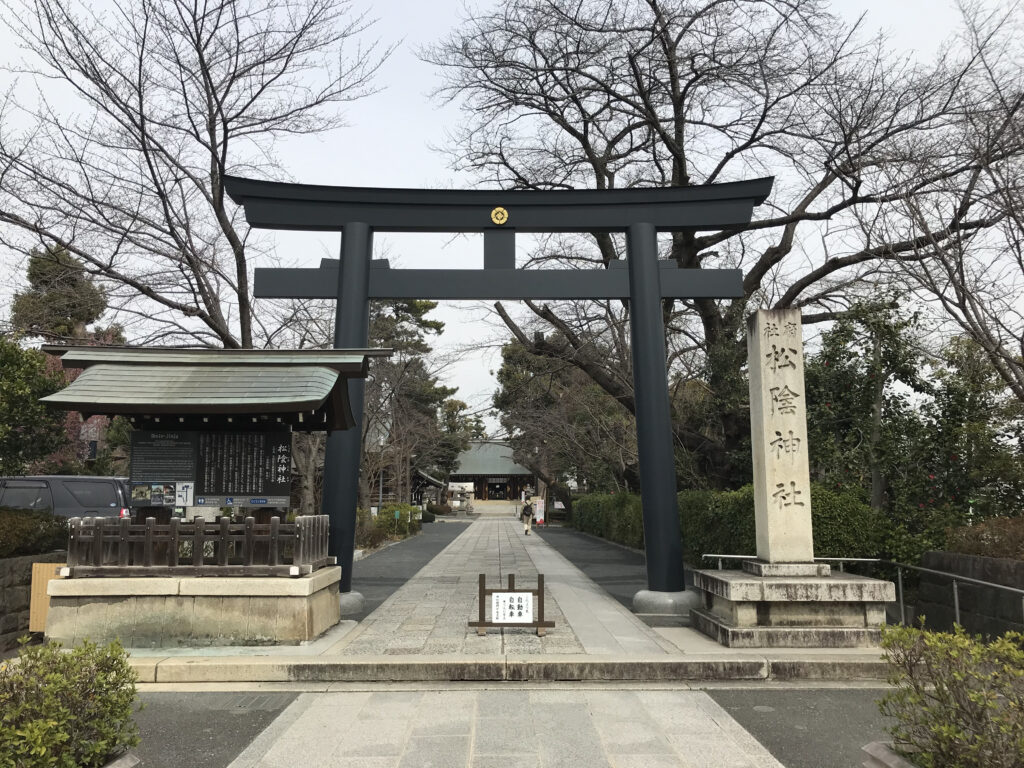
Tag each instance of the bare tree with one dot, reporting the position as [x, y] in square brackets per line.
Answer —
[601, 94]
[977, 276]
[141, 112]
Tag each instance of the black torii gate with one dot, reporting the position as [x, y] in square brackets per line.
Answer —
[358, 212]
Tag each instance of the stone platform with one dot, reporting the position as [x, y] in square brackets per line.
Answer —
[169, 611]
[744, 610]
[421, 634]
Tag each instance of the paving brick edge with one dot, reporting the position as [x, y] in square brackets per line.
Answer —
[252, 669]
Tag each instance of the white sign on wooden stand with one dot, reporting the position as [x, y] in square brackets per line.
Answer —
[511, 607]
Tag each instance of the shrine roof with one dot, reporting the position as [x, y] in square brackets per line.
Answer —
[305, 388]
[485, 457]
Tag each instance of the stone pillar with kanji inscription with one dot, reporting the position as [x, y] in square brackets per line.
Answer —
[778, 429]
[782, 598]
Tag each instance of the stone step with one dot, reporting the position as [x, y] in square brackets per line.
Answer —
[695, 668]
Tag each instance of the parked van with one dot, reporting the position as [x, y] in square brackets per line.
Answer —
[67, 495]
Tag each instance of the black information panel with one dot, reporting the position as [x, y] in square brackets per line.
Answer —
[210, 469]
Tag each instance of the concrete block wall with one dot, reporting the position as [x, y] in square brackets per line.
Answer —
[982, 610]
[15, 589]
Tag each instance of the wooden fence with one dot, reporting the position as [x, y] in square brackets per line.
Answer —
[101, 546]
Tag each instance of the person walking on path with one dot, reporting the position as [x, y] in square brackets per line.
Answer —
[527, 516]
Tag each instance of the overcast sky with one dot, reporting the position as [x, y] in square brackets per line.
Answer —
[390, 136]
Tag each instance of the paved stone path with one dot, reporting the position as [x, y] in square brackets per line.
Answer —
[429, 614]
[582, 728]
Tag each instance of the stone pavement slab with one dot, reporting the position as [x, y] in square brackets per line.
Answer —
[460, 728]
[429, 615]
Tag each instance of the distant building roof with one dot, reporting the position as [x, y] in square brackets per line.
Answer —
[484, 457]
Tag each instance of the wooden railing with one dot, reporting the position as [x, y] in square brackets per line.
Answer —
[99, 546]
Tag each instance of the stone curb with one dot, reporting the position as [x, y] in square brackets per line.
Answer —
[706, 668]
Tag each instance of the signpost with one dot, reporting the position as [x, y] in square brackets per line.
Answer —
[512, 607]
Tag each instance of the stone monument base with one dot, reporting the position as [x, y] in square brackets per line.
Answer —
[170, 611]
[743, 610]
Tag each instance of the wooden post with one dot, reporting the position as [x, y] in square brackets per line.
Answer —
[299, 549]
[275, 530]
[481, 629]
[123, 546]
[224, 542]
[198, 533]
[172, 547]
[74, 540]
[97, 541]
[540, 605]
[248, 548]
[147, 550]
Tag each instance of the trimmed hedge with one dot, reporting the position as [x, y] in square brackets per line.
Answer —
[723, 522]
[613, 516]
[31, 532]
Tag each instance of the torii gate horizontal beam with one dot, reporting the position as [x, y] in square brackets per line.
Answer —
[279, 205]
[455, 284]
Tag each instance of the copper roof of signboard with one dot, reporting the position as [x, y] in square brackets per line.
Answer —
[308, 388]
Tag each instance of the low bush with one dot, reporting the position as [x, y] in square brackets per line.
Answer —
[958, 701]
[66, 710]
[31, 532]
[719, 522]
[843, 523]
[996, 537]
[439, 509]
[614, 516]
[401, 525]
[427, 517]
[723, 522]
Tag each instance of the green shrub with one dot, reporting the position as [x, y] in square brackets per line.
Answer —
[723, 522]
[958, 701]
[404, 525]
[843, 523]
[719, 522]
[996, 537]
[31, 532]
[66, 710]
[614, 516]
[427, 517]
[439, 509]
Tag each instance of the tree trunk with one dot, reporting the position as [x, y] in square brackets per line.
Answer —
[879, 482]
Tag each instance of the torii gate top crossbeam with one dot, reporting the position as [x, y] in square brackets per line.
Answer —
[278, 205]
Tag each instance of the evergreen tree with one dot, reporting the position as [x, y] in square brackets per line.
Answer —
[61, 300]
[29, 430]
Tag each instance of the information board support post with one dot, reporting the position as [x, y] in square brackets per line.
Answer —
[653, 415]
[342, 458]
